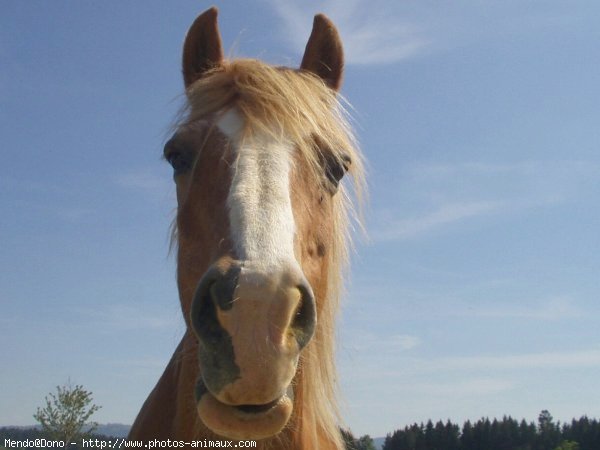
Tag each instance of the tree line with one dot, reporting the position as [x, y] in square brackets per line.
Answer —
[65, 417]
[505, 434]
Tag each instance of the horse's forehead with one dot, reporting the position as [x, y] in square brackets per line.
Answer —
[191, 131]
[231, 123]
[198, 125]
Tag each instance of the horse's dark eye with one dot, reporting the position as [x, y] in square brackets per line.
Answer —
[180, 161]
[335, 168]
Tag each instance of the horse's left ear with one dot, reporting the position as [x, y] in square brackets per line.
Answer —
[324, 55]
[202, 49]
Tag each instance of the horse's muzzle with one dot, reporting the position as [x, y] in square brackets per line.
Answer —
[251, 323]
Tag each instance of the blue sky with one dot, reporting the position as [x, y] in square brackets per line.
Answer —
[476, 293]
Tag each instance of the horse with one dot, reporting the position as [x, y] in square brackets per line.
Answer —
[261, 237]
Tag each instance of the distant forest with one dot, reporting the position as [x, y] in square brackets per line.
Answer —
[505, 434]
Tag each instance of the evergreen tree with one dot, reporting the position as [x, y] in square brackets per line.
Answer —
[452, 441]
[527, 435]
[495, 437]
[389, 443]
[467, 438]
[439, 437]
[415, 438]
[429, 436]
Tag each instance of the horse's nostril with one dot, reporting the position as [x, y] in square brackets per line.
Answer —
[216, 350]
[204, 315]
[220, 295]
[222, 289]
[214, 292]
[305, 318]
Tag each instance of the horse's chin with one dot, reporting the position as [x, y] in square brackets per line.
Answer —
[245, 422]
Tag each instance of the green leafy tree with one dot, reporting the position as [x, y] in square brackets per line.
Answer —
[66, 413]
[365, 443]
[362, 443]
[545, 421]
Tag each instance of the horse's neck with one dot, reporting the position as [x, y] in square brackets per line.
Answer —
[169, 412]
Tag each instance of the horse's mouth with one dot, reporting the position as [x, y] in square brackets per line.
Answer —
[244, 422]
[257, 409]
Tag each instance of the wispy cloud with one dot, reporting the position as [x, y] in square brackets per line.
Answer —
[54, 210]
[467, 387]
[448, 194]
[407, 366]
[371, 35]
[394, 343]
[136, 363]
[144, 180]
[75, 214]
[127, 317]
[386, 31]
[556, 169]
[557, 308]
[447, 214]
[577, 359]
[47, 198]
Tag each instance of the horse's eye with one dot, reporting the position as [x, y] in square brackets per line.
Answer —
[335, 168]
[180, 162]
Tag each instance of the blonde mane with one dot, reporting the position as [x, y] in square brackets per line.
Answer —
[297, 106]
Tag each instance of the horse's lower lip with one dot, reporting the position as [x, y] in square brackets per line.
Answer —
[245, 421]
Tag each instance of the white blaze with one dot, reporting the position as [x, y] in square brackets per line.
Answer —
[260, 207]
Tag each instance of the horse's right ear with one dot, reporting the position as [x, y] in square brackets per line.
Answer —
[202, 49]
[324, 55]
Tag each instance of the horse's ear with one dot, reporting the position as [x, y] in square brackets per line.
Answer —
[202, 49]
[324, 55]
